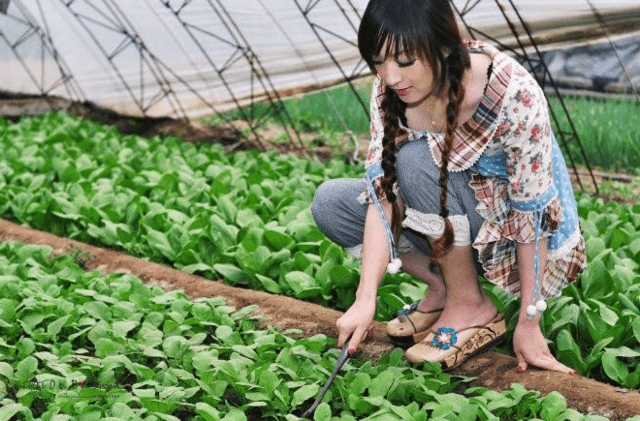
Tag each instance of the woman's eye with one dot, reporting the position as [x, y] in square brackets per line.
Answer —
[405, 63]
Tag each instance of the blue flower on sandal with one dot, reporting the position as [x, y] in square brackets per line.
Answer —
[408, 308]
[444, 338]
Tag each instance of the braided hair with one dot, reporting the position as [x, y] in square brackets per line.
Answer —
[394, 112]
[455, 65]
[426, 29]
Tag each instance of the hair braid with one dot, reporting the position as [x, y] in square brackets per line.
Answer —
[393, 111]
[455, 65]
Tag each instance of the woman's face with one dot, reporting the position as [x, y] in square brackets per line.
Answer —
[407, 74]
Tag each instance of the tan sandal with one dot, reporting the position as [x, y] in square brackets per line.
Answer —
[451, 348]
[410, 321]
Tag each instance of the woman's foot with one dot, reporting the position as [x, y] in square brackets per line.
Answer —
[460, 315]
[413, 319]
[463, 329]
[451, 347]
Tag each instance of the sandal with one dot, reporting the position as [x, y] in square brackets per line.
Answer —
[451, 348]
[410, 321]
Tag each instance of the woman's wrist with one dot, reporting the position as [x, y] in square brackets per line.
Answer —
[365, 296]
[525, 322]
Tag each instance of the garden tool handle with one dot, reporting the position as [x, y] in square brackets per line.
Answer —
[344, 354]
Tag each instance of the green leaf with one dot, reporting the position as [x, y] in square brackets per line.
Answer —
[608, 316]
[596, 280]
[26, 368]
[269, 381]
[268, 284]
[9, 410]
[277, 239]
[304, 393]
[235, 415]
[228, 209]
[231, 273]
[308, 293]
[56, 326]
[106, 347]
[6, 370]
[613, 367]
[623, 351]
[122, 328]
[159, 241]
[322, 412]
[359, 383]
[553, 405]
[299, 281]
[244, 312]
[635, 326]
[341, 276]
[174, 346]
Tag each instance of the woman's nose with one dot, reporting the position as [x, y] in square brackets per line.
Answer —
[390, 73]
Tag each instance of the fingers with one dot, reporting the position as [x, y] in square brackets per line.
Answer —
[522, 362]
[546, 361]
[358, 335]
[343, 334]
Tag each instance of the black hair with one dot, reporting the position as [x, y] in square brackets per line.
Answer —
[426, 29]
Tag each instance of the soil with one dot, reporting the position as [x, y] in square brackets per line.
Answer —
[491, 369]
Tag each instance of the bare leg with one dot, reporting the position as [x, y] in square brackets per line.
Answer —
[467, 304]
[418, 265]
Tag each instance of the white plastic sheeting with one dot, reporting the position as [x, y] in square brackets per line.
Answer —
[181, 57]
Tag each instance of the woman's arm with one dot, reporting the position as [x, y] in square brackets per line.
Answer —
[529, 344]
[375, 258]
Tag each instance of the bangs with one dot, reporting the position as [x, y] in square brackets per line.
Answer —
[392, 45]
[382, 36]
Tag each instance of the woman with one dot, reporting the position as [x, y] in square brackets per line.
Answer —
[465, 177]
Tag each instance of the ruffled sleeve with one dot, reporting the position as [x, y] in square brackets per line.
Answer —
[527, 144]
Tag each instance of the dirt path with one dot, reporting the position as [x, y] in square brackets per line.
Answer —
[492, 370]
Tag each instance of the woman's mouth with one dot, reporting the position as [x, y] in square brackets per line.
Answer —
[401, 92]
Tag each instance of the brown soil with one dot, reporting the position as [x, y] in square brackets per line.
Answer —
[491, 369]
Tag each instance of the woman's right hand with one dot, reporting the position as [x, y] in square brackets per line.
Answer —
[357, 320]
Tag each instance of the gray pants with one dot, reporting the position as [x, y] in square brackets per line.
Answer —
[338, 213]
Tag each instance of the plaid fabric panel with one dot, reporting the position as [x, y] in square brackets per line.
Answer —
[504, 227]
[472, 137]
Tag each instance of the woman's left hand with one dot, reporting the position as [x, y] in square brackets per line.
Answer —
[531, 348]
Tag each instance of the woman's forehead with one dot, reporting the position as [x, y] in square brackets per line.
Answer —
[393, 47]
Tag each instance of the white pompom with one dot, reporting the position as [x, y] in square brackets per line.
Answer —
[531, 311]
[394, 266]
[541, 306]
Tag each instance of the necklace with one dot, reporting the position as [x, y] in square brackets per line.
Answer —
[438, 106]
[429, 111]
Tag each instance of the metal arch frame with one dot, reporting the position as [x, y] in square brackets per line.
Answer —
[242, 50]
[361, 67]
[118, 23]
[536, 65]
[258, 70]
[74, 92]
[603, 25]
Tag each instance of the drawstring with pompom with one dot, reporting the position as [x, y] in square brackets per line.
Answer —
[395, 264]
[538, 304]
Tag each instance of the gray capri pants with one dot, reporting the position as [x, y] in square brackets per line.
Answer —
[341, 216]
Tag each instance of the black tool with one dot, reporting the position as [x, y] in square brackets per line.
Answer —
[344, 354]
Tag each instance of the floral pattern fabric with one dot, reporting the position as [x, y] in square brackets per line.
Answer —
[520, 178]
